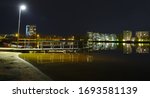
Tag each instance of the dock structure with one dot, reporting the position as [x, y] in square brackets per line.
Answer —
[43, 45]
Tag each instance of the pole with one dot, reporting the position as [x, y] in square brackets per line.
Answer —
[18, 27]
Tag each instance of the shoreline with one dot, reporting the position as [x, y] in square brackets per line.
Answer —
[14, 68]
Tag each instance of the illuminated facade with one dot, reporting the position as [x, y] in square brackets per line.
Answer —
[142, 35]
[93, 36]
[30, 30]
[127, 35]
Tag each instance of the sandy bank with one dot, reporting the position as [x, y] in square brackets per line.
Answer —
[13, 68]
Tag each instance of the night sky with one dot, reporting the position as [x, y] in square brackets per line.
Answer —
[71, 17]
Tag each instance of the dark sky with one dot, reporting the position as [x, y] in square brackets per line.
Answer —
[67, 17]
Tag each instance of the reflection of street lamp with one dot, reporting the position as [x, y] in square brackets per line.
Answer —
[37, 35]
[37, 42]
[21, 8]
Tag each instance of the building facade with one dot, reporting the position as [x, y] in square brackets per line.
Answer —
[95, 36]
[142, 35]
[30, 30]
[127, 35]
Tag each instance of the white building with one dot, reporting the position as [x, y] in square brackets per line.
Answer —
[127, 35]
[30, 30]
[94, 36]
[142, 35]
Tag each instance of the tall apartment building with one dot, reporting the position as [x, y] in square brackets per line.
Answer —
[127, 35]
[142, 35]
[95, 36]
[30, 30]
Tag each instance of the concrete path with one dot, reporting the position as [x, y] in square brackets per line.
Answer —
[13, 68]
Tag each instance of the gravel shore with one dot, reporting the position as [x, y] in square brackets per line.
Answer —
[13, 68]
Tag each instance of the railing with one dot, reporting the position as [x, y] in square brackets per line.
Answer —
[43, 45]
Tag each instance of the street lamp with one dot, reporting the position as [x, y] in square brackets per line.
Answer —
[21, 8]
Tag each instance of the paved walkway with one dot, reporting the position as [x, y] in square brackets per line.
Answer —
[13, 68]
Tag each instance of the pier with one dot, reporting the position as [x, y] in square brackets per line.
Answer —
[42, 45]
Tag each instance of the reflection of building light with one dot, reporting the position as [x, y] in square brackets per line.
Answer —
[124, 44]
[89, 58]
[37, 35]
[99, 43]
[142, 50]
[127, 49]
[140, 44]
[133, 44]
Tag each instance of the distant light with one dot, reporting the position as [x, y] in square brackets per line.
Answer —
[124, 44]
[140, 44]
[37, 35]
[133, 39]
[23, 7]
[63, 39]
[141, 40]
[123, 40]
[16, 34]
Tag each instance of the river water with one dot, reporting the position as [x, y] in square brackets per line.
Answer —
[101, 62]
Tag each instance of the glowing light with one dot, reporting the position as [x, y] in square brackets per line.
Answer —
[140, 44]
[37, 35]
[141, 40]
[16, 34]
[133, 39]
[23, 7]
[124, 44]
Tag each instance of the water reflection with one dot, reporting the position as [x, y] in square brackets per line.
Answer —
[127, 48]
[101, 46]
[142, 48]
[41, 58]
[108, 64]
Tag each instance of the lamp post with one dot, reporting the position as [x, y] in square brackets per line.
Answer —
[21, 8]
